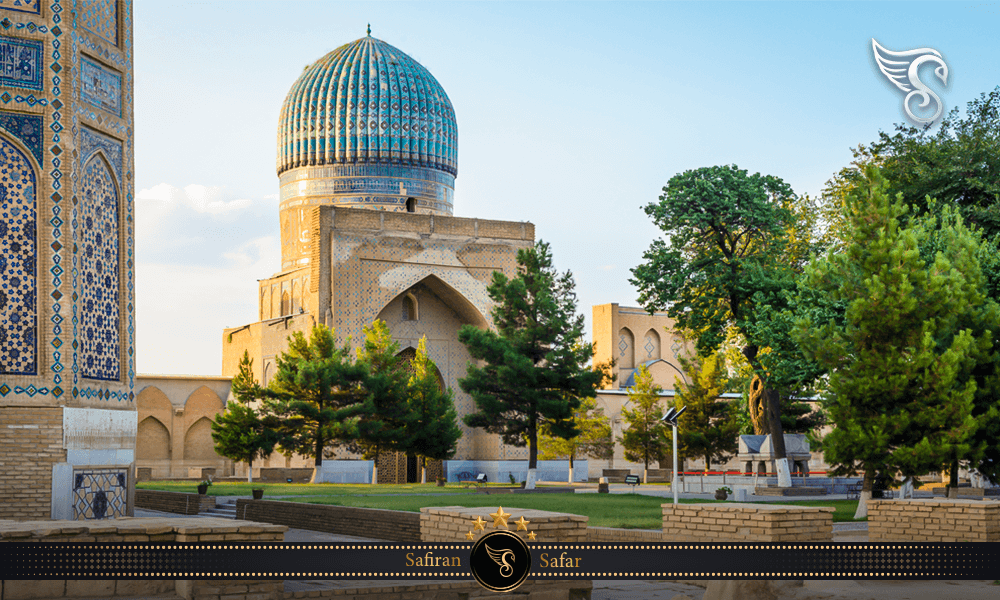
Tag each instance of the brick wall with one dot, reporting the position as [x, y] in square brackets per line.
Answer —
[750, 522]
[374, 523]
[154, 529]
[451, 523]
[597, 535]
[174, 502]
[31, 441]
[944, 520]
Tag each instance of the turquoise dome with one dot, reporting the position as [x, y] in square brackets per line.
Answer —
[367, 102]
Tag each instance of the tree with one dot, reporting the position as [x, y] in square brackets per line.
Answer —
[710, 427]
[643, 440]
[240, 433]
[534, 368]
[900, 392]
[957, 165]
[316, 393]
[386, 420]
[593, 437]
[435, 430]
[731, 248]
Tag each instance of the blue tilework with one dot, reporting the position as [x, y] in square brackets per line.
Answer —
[100, 87]
[100, 356]
[91, 142]
[100, 17]
[27, 129]
[18, 259]
[100, 494]
[28, 6]
[21, 63]
[367, 102]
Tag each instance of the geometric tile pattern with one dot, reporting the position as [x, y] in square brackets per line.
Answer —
[21, 63]
[100, 17]
[98, 245]
[26, 128]
[18, 259]
[28, 6]
[101, 87]
[367, 102]
[99, 494]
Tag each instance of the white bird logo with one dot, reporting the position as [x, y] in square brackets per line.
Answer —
[901, 68]
[500, 558]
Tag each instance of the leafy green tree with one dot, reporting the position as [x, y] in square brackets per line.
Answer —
[386, 423]
[958, 165]
[731, 247]
[643, 440]
[593, 438]
[316, 394]
[435, 430]
[900, 393]
[241, 433]
[535, 370]
[710, 426]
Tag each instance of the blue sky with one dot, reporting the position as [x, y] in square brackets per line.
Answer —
[572, 116]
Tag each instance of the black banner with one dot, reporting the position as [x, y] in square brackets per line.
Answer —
[20, 560]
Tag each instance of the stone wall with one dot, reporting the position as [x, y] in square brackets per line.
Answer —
[614, 535]
[174, 502]
[451, 523]
[393, 525]
[155, 529]
[30, 444]
[919, 520]
[738, 522]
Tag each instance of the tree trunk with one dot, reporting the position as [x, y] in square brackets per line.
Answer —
[953, 478]
[866, 494]
[758, 407]
[250, 471]
[318, 462]
[423, 469]
[571, 468]
[529, 482]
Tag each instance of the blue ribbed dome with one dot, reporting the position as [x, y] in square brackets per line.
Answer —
[367, 102]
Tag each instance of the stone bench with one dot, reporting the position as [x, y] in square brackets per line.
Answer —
[933, 520]
[749, 522]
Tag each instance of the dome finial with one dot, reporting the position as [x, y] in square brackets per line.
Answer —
[369, 29]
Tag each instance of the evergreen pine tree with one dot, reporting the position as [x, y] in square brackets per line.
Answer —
[710, 427]
[643, 439]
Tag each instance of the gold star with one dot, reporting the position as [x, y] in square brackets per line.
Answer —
[531, 535]
[469, 536]
[500, 518]
[479, 524]
[522, 525]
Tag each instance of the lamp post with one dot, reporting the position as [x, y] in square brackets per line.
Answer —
[671, 418]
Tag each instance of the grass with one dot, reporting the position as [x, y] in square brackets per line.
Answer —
[307, 489]
[629, 511]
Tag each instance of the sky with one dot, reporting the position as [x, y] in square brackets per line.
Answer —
[571, 116]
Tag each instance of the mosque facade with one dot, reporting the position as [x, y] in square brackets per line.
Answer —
[67, 306]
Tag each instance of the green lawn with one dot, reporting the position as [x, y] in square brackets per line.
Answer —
[306, 489]
[630, 511]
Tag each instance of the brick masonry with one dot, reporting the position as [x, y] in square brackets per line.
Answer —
[452, 523]
[739, 522]
[614, 535]
[392, 525]
[31, 441]
[920, 520]
[174, 502]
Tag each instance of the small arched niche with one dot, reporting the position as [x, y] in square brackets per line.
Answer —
[626, 349]
[410, 307]
[411, 205]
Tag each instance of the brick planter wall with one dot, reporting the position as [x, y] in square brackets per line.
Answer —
[937, 520]
[392, 525]
[174, 502]
[738, 522]
[144, 529]
[614, 535]
[450, 524]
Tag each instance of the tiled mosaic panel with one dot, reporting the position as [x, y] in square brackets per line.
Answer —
[100, 87]
[28, 6]
[100, 356]
[27, 129]
[21, 63]
[100, 17]
[18, 259]
[99, 494]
